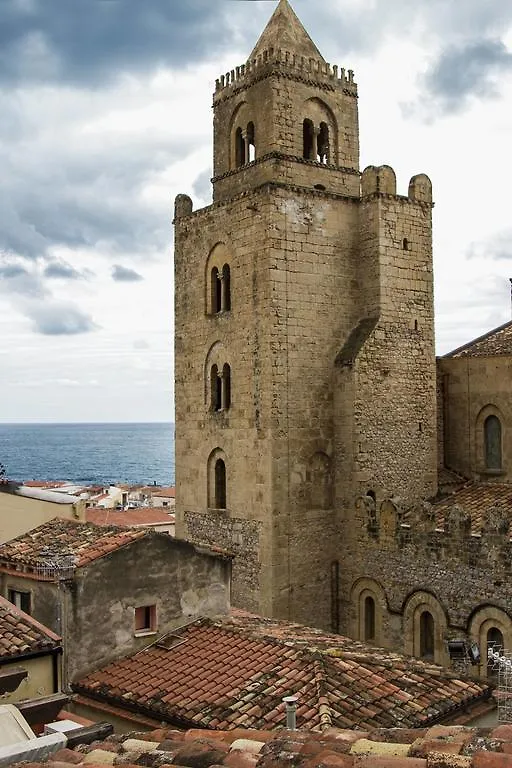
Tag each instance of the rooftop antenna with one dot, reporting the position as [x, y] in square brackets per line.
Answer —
[501, 661]
[510, 281]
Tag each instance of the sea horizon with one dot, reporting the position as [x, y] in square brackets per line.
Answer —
[89, 453]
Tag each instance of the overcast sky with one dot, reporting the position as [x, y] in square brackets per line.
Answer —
[106, 115]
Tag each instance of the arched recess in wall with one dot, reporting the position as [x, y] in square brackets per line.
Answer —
[217, 480]
[319, 481]
[484, 625]
[318, 132]
[424, 627]
[370, 605]
[218, 280]
[489, 439]
[217, 379]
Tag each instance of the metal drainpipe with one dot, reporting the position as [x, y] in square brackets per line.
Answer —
[291, 712]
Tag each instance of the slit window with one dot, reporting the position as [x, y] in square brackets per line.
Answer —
[369, 618]
[226, 386]
[308, 135]
[220, 484]
[226, 288]
[405, 244]
[323, 144]
[251, 143]
[216, 291]
[426, 635]
[492, 441]
[239, 148]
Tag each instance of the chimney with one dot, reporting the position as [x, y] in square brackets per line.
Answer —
[291, 712]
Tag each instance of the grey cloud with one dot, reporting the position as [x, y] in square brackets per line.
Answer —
[141, 344]
[80, 193]
[497, 248]
[58, 319]
[93, 40]
[124, 275]
[61, 270]
[464, 71]
[202, 186]
[17, 279]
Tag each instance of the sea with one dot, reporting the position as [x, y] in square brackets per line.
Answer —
[89, 454]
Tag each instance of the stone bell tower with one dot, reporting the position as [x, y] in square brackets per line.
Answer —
[279, 287]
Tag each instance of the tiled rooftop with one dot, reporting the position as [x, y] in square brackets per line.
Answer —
[435, 747]
[495, 342]
[476, 498]
[82, 542]
[234, 671]
[130, 517]
[21, 634]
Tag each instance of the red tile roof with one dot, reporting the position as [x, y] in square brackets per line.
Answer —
[435, 747]
[498, 341]
[130, 517]
[79, 543]
[21, 634]
[234, 672]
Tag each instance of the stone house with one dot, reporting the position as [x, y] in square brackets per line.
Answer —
[108, 591]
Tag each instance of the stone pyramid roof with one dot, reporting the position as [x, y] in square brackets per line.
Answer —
[285, 30]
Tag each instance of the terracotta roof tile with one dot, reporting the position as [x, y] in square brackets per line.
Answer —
[130, 517]
[475, 498]
[20, 633]
[498, 341]
[65, 541]
[339, 681]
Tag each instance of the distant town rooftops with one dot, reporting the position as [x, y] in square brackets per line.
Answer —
[45, 494]
[139, 516]
[234, 672]
[498, 341]
[21, 634]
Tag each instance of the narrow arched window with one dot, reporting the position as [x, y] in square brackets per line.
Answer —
[323, 144]
[226, 386]
[226, 288]
[216, 291]
[251, 143]
[494, 641]
[369, 618]
[427, 644]
[239, 148]
[220, 484]
[492, 440]
[308, 135]
[215, 389]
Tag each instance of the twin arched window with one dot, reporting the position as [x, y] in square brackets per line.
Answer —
[316, 142]
[220, 290]
[245, 145]
[220, 388]
[492, 442]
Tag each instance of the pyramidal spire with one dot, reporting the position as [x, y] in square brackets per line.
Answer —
[285, 30]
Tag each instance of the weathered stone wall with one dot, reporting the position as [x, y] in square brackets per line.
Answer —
[461, 578]
[242, 538]
[476, 387]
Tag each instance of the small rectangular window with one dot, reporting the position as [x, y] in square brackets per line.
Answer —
[145, 619]
[20, 599]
